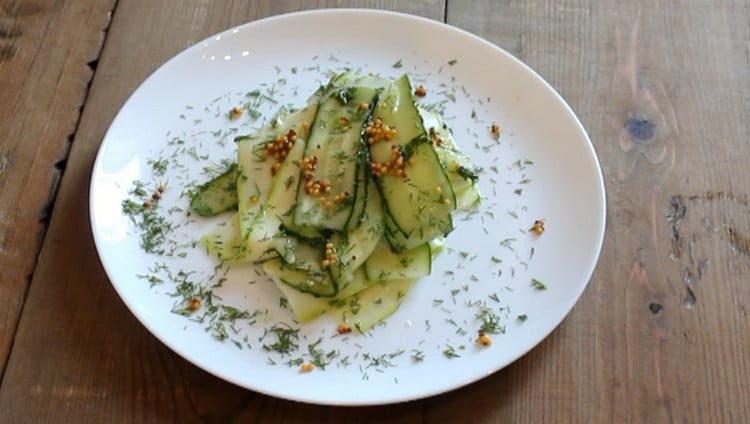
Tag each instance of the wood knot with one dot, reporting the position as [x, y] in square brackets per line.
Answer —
[640, 129]
[739, 242]
[9, 30]
[18, 8]
[655, 308]
[690, 299]
[4, 161]
[675, 214]
[6, 52]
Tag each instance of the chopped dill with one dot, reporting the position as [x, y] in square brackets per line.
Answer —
[159, 166]
[450, 352]
[219, 331]
[537, 284]
[286, 339]
[318, 357]
[490, 320]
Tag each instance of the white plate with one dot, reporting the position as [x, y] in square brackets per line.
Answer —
[565, 188]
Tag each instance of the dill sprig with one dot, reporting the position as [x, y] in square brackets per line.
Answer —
[320, 358]
[537, 284]
[490, 320]
[450, 352]
[384, 360]
[143, 211]
[286, 339]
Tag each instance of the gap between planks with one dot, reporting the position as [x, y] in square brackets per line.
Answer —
[60, 165]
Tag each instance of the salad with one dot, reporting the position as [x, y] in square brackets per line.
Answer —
[345, 201]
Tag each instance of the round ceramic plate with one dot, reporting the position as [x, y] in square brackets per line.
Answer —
[174, 129]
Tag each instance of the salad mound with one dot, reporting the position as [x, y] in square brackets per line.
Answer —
[346, 201]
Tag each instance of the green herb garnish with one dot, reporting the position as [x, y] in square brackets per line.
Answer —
[232, 314]
[490, 321]
[345, 95]
[154, 228]
[286, 339]
[159, 166]
[450, 352]
[537, 284]
[318, 357]
[219, 331]
[467, 173]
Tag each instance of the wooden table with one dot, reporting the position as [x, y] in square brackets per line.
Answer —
[660, 335]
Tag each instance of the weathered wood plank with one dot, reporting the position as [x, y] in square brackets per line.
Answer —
[45, 48]
[661, 335]
[78, 352]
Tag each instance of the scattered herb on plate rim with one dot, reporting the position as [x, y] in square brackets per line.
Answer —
[538, 284]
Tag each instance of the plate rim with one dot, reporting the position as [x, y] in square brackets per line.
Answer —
[207, 367]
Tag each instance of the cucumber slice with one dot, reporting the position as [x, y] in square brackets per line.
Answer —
[337, 81]
[369, 307]
[284, 193]
[259, 222]
[385, 264]
[316, 283]
[335, 139]
[397, 109]
[436, 247]
[433, 226]
[307, 307]
[353, 79]
[420, 204]
[469, 198]
[304, 306]
[216, 196]
[461, 172]
[224, 241]
[360, 199]
[275, 229]
[305, 272]
[353, 248]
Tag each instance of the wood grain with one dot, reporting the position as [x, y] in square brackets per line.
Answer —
[661, 334]
[78, 353]
[45, 53]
